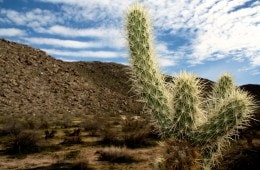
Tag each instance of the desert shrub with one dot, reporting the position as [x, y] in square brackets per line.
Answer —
[44, 124]
[30, 123]
[77, 165]
[75, 132]
[110, 137]
[72, 154]
[154, 132]
[115, 154]
[12, 127]
[24, 142]
[92, 126]
[136, 132]
[81, 165]
[49, 134]
[136, 139]
[69, 140]
[134, 124]
[178, 155]
[65, 121]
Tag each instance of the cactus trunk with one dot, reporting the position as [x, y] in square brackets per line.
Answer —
[148, 81]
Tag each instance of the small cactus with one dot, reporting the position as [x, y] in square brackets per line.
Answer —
[179, 109]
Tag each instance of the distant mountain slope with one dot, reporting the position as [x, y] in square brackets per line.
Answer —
[33, 82]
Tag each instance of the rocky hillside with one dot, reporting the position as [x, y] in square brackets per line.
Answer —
[32, 82]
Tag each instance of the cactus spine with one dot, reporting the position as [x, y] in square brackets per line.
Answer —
[179, 109]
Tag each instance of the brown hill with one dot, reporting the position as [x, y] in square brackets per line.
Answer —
[32, 82]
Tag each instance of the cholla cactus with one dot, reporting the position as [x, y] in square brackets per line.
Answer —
[179, 109]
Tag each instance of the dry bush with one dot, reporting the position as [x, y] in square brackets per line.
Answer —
[134, 124]
[138, 139]
[44, 124]
[69, 140]
[23, 142]
[109, 137]
[81, 165]
[115, 154]
[72, 154]
[49, 134]
[178, 155]
[136, 132]
[12, 127]
[92, 126]
[30, 123]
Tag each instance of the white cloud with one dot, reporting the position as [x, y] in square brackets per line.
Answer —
[82, 10]
[221, 28]
[63, 43]
[256, 61]
[34, 18]
[108, 37]
[74, 32]
[85, 53]
[10, 32]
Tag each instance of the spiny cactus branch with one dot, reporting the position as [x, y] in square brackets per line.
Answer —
[148, 81]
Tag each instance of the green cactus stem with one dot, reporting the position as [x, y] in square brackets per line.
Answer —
[148, 81]
[186, 103]
[233, 112]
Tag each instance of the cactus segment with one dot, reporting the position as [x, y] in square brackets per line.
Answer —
[232, 113]
[148, 81]
[223, 86]
[186, 104]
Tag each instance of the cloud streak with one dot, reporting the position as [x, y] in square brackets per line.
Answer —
[85, 53]
[63, 43]
[11, 32]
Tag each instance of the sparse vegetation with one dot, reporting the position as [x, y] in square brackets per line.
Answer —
[115, 154]
[23, 142]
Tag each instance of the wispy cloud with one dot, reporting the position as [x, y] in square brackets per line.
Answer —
[215, 26]
[108, 37]
[88, 10]
[11, 32]
[256, 61]
[85, 53]
[63, 43]
[34, 18]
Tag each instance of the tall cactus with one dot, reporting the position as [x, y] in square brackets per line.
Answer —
[148, 80]
[179, 110]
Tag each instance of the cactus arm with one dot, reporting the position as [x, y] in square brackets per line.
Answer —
[223, 86]
[186, 100]
[147, 79]
[233, 112]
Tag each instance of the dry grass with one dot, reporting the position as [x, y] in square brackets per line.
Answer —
[115, 154]
[23, 142]
[126, 145]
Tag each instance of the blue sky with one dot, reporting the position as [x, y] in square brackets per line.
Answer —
[206, 37]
